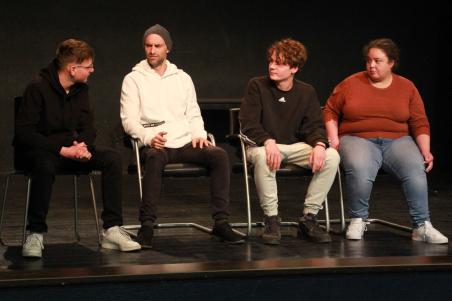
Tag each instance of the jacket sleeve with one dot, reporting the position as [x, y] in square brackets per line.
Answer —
[193, 112]
[85, 127]
[312, 129]
[131, 114]
[251, 114]
[27, 122]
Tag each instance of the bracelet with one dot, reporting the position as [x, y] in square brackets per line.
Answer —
[321, 144]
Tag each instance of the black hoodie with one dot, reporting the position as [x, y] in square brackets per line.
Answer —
[49, 118]
[286, 116]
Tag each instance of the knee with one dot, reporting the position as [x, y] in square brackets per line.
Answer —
[217, 153]
[358, 167]
[257, 156]
[413, 171]
[112, 158]
[332, 158]
[43, 166]
[155, 159]
[216, 158]
[412, 162]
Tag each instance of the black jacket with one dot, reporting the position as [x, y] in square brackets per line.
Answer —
[49, 118]
[286, 116]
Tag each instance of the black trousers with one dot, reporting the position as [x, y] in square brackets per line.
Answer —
[214, 158]
[44, 166]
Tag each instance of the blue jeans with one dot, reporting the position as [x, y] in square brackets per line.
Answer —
[362, 158]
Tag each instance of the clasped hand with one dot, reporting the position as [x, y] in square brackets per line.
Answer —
[78, 151]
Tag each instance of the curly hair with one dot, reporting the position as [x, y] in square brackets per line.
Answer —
[288, 51]
[387, 46]
[72, 50]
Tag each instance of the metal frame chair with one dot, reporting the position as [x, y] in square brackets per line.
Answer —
[291, 170]
[386, 222]
[20, 171]
[75, 180]
[172, 170]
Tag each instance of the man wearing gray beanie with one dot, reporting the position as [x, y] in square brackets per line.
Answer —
[162, 32]
[160, 109]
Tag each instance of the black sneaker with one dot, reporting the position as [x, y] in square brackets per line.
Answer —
[145, 235]
[224, 231]
[309, 229]
[272, 232]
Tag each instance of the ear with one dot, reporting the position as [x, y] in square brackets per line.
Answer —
[391, 64]
[70, 69]
[294, 70]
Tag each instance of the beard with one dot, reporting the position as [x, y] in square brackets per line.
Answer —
[155, 62]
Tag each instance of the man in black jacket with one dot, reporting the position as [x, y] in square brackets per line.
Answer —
[282, 121]
[54, 131]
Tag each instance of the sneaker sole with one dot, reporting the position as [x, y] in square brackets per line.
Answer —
[273, 242]
[353, 238]
[270, 240]
[32, 254]
[112, 246]
[304, 236]
[144, 245]
[237, 242]
[437, 242]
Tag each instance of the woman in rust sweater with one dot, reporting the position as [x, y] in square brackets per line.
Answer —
[376, 119]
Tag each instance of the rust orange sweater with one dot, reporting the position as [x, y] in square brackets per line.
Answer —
[368, 112]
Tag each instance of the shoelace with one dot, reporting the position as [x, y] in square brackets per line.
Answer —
[124, 233]
[271, 225]
[33, 240]
[361, 224]
[430, 231]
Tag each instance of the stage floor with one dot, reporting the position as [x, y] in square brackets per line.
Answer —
[191, 254]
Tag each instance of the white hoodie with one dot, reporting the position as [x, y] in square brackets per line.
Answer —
[148, 97]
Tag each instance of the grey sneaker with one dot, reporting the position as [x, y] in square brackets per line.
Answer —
[272, 232]
[116, 238]
[356, 229]
[428, 234]
[33, 245]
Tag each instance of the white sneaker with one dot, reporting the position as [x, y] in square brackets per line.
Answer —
[356, 229]
[116, 238]
[427, 233]
[33, 245]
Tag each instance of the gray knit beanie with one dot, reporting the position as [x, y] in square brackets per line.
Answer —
[161, 31]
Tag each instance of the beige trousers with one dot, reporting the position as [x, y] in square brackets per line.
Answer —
[297, 154]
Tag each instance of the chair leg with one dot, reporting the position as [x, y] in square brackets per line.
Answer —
[137, 159]
[93, 197]
[27, 203]
[327, 215]
[370, 220]
[247, 188]
[341, 198]
[76, 234]
[3, 207]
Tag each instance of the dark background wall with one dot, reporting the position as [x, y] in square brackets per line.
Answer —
[222, 44]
